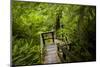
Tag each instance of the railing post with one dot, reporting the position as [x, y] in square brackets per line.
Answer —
[41, 43]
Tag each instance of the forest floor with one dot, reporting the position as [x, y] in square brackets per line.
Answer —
[51, 54]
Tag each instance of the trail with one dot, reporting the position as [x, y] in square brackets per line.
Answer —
[51, 54]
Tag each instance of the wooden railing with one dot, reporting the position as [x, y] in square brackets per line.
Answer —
[63, 50]
[63, 46]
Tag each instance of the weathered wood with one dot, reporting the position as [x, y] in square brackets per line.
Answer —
[51, 54]
[43, 36]
[63, 50]
[55, 52]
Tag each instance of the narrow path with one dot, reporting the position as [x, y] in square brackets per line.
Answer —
[51, 54]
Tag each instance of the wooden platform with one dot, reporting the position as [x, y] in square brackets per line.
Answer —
[51, 54]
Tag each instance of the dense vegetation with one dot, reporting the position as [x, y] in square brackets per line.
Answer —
[72, 23]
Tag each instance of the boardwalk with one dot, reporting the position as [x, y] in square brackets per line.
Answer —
[51, 55]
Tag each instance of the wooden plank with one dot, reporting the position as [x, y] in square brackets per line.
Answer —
[51, 55]
[48, 37]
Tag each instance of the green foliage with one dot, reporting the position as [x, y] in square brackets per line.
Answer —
[81, 31]
[29, 20]
[25, 53]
